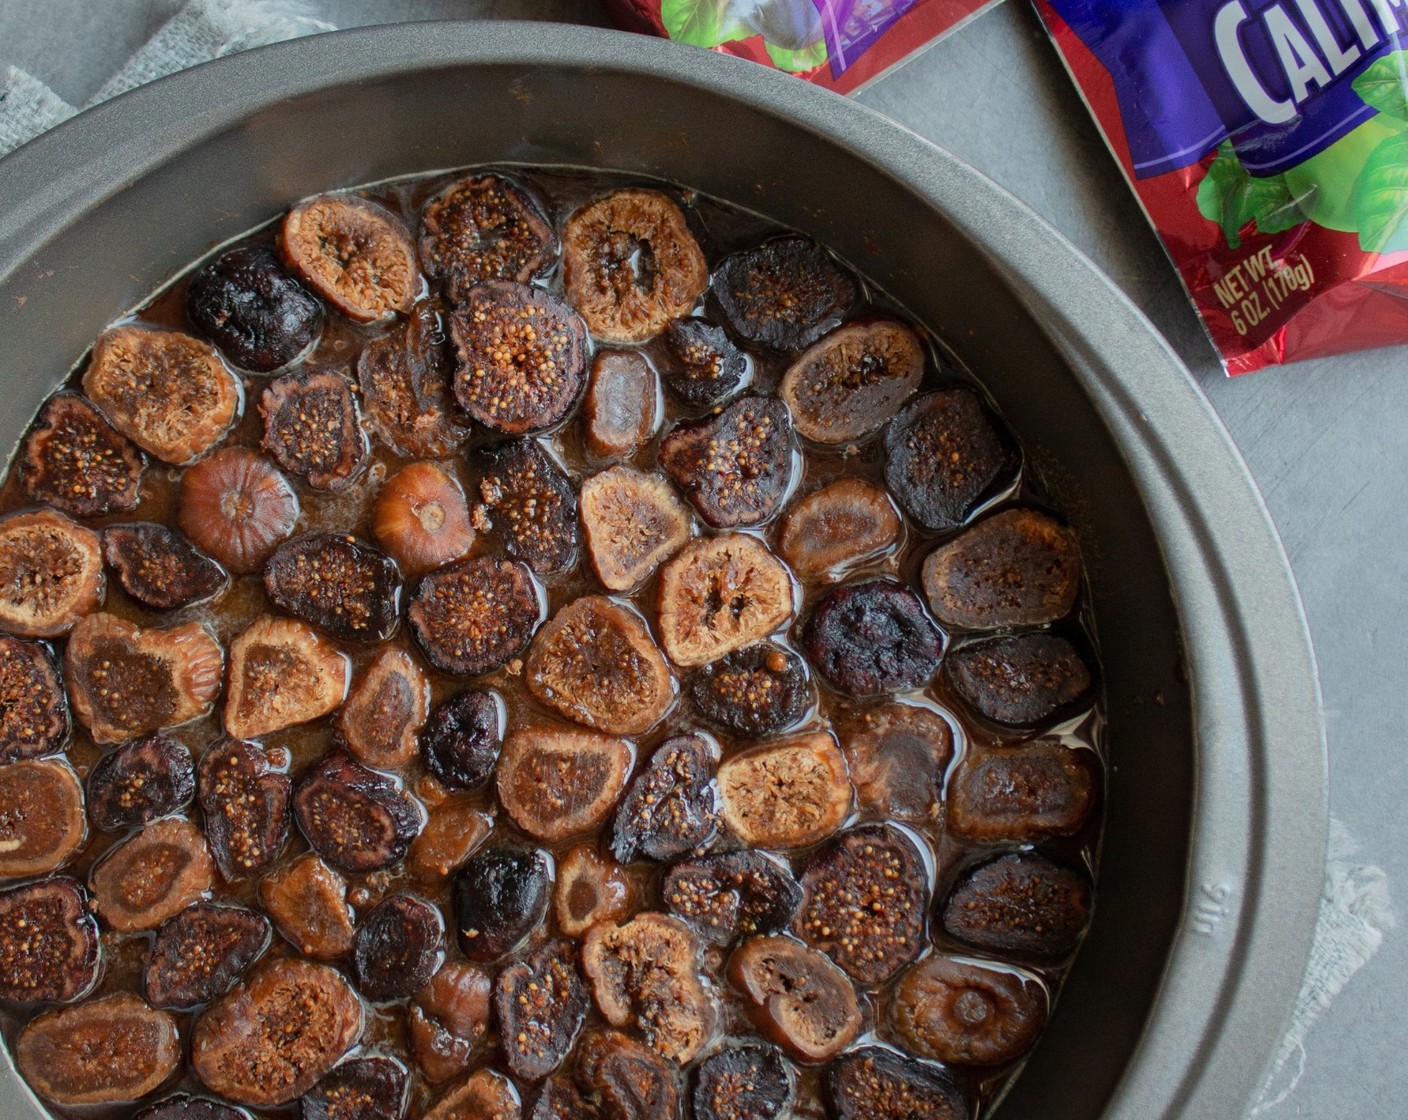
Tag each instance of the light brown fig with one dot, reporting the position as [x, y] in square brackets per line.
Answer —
[449, 1020]
[282, 673]
[33, 705]
[124, 681]
[796, 997]
[454, 828]
[967, 1013]
[622, 407]
[787, 794]
[308, 901]
[78, 463]
[237, 506]
[422, 518]
[591, 888]
[1022, 794]
[557, 782]
[633, 522]
[596, 663]
[155, 874]
[898, 755]
[483, 1095]
[720, 594]
[51, 573]
[167, 392]
[475, 616]
[41, 817]
[352, 252]
[385, 711]
[484, 228]
[837, 526]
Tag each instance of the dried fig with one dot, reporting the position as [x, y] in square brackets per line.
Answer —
[167, 392]
[356, 819]
[352, 252]
[140, 781]
[541, 1003]
[646, 974]
[630, 265]
[78, 463]
[871, 638]
[669, 809]
[750, 1082]
[456, 826]
[526, 496]
[787, 794]
[277, 1034]
[345, 588]
[1019, 903]
[633, 522]
[237, 507]
[590, 888]
[500, 896]
[422, 519]
[113, 1050]
[359, 1089]
[557, 783]
[51, 573]
[623, 404]
[399, 946]
[707, 367]
[159, 567]
[1018, 681]
[966, 1013]
[728, 895]
[484, 1095]
[1022, 794]
[853, 381]
[463, 737]
[596, 663]
[720, 594]
[282, 673]
[49, 943]
[385, 711]
[1019, 568]
[796, 997]
[522, 356]
[41, 816]
[33, 705]
[783, 294]
[477, 615]
[200, 953]
[561, 1099]
[245, 804]
[313, 427]
[124, 681]
[484, 228]
[898, 755]
[183, 1107]
[631, 1081]
[872, 1083]
[406, 396]
[151, 876]
[308, 901]
[753, 692]
[837, 526]
[735, 466]
[259, 315]
[449, 1020]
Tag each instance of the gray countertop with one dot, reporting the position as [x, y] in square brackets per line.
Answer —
[1323, 439]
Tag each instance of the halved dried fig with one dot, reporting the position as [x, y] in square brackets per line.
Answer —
[159, 567]
[356, 819]
[49, 943]
[245, 804]
[528, 498]
[1022, 794]
[562, 1099]
[33, 705]
[352, 252]
[854, 380]
[522, 356]
[787, 794]
[728, 895]
[183, 1107]
[796, 997]
[313, 427]
[78, 463]
[484, 1095]
[750, 1082]
[345, 588]
[783, 294]
[308, 901]
[484, 228]
[51, 573]
[113, 1050]
[596, 663]
[707, 367]
[282, 673]
[630, 265]
[645, 974]
[967, 1013]
[462, 738]
[622, 405]
[557, 782]
[720, 594]
[124, 681]
[422, 518]
[385, 711]
[41, 816]
[873, 1083]
[142, 780]
[476, 616]
[669, 809]
[372, 1088]
[237, 506]
[942, 454]
[454, 828]
[398, 948]
[871, 638]
[541, 1003]
[200, 953]
[1018, 681]
[898, 755]
[156, 873]
[837, 526]
[405, 381]
[631, 1081]
[753, 692]
[633, 522]
[735, 466]
[1019, 903]
[277, 1034]
[449, 1020]
[259, 315]
[865, 897]
[500, 896]
[167, 392]
[590, 888]
[1019, 568]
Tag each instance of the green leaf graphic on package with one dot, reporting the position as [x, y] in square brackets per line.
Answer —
[791, 29]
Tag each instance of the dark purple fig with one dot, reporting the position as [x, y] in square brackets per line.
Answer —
[78, 463]
[668, 810]
[783, 294]
[33, 705]
[528, 499]
[629, 1080]
[359, 1089]
[461, 740]
[350, 590]
[484, 228]
[561, 1099]
[140, 781]
[49, 945]
[159, 567]
[707, 367]
[728, 895]
[753, 692]
[253, 310]
[313, 427]
[871, 638]
[750, 1082]
[735, 467]
[541, 1003]
[245, 804]
[356, 819]
[199, 954]
[475, 616]
[1019, 903]
[500, 896]
[1018, 681]
[398, 948]
[873, 1083]
[183, 1107]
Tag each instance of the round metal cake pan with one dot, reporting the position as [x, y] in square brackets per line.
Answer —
[1214, 849]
